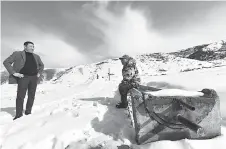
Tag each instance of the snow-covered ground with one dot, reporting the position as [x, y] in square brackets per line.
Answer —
[77, 111]
[214, 46]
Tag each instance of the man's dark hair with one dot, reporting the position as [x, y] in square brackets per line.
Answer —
[28, 42]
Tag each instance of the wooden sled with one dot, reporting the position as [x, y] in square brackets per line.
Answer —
[173, 117]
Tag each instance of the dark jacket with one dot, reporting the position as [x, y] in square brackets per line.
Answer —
[18, 59]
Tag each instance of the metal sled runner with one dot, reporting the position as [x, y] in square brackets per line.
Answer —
[173, 117]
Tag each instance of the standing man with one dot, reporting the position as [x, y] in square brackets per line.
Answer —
[130, 80]
[24, 68]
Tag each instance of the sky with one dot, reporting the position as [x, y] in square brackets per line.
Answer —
[71, 33]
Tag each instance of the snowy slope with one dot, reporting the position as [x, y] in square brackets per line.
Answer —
[148, 65]
[84, 116]
[167, 64]
[216, 46]
[75, 110]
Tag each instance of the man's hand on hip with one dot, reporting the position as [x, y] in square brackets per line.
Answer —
[18, 75]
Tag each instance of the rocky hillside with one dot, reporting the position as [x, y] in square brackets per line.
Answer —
[205, 52]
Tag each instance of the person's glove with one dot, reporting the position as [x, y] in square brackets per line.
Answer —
[125, 82]
[18, 75]
[135, 84]
[38, 75]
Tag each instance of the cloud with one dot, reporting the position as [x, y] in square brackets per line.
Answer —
[126, 33]
[209, 27]
[57, 53]
[73, 33]
[53, 51]
[132, 32]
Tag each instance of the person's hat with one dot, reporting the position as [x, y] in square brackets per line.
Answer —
[124, 57]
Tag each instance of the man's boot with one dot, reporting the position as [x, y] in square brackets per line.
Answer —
[124, 103]
[27, 113]
[17, 116]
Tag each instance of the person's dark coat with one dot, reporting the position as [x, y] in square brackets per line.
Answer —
[15, 62]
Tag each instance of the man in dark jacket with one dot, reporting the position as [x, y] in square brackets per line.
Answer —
[130, 80]
[24, 69]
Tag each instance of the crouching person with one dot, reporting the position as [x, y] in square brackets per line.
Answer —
[130, 80]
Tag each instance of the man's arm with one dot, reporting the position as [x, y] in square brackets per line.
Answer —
[8, 63]
[41, 66]
[128, 74]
